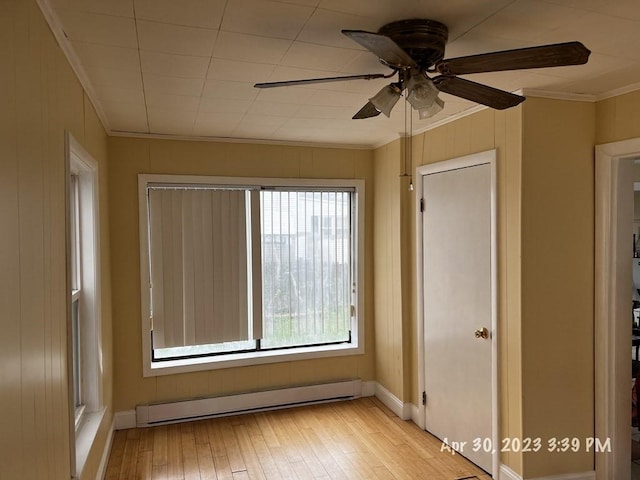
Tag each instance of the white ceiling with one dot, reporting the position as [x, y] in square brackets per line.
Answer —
[187, 67]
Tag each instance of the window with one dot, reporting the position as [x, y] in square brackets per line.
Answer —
[84, 352]
[76, 293]
[245, 271]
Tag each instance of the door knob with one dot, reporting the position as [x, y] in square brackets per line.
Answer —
[482, 333]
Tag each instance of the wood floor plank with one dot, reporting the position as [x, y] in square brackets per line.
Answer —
[236, 462]
[303, 448]
[144, 465]
[214, 430]
[115, 458]
[351, 440]
[129, 457]
[251, 461]
[159, 445]
[146, 440]
[263, 453]
[284, 430]
[266, 429]
[282, 463]
[175, 468]
[201, 432]
[159, 472]
[302, 471]
[380, 447]
[223, 470]
[320, 450]
[205, 462]
[189, 453]
[322, 423]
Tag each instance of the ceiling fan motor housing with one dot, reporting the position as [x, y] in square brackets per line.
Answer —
[424, 40]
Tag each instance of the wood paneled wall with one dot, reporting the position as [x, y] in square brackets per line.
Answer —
[40, 98]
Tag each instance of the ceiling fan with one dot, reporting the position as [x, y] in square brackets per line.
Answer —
[414, 50]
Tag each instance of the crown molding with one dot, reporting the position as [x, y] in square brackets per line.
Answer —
[634, 87]
[257, 141]
[61, 37]
[574, 97]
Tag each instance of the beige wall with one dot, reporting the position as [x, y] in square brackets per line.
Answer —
[391, 367]
[618, 118]
[40, 98]
[557, 280]
[128, 158]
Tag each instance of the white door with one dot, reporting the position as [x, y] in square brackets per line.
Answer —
[458, 308]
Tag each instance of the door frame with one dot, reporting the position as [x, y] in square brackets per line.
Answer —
[612, 276]
[482, 158]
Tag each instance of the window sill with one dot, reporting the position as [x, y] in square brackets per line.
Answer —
[85, 436]
[247, 359]
[79, 417]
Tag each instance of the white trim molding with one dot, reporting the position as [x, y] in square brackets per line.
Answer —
[368, 388]
[102, 468]
[507, 474]
[393, 403]
[613, 228]
[570, 476]
[61, 37]
[417, 416]
[618, 91]
[574, 97]
[124, 420]
[86, 438]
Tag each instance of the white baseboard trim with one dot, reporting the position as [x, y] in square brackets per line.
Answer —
[124, 420]
[570, 476]
[507, 474]
[368, 388]
[102, 468]
[417, 416]
[393, 403]
[407, 411]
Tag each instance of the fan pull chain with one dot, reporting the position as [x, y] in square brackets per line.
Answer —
[408, 141]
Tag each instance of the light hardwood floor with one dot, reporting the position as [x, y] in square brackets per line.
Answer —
[359, 439]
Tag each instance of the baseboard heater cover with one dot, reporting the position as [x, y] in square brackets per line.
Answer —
[155, 414]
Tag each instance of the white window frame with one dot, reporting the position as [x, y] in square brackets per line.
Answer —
[356, 347]
[86, 419]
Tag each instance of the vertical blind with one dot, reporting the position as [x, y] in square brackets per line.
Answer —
[306, 267]
[199, 266]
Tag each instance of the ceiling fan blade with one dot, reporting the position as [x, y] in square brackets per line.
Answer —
[385, 48]
[367, 111]
[310, 81]
[476, 92]
[557, 55]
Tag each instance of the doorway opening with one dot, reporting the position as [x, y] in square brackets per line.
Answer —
[613, 284]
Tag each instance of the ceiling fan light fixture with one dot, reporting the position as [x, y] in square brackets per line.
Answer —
[386, 99]
[422, 93]
[435, 108]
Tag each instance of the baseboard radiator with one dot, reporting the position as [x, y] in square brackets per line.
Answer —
[161, 413]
